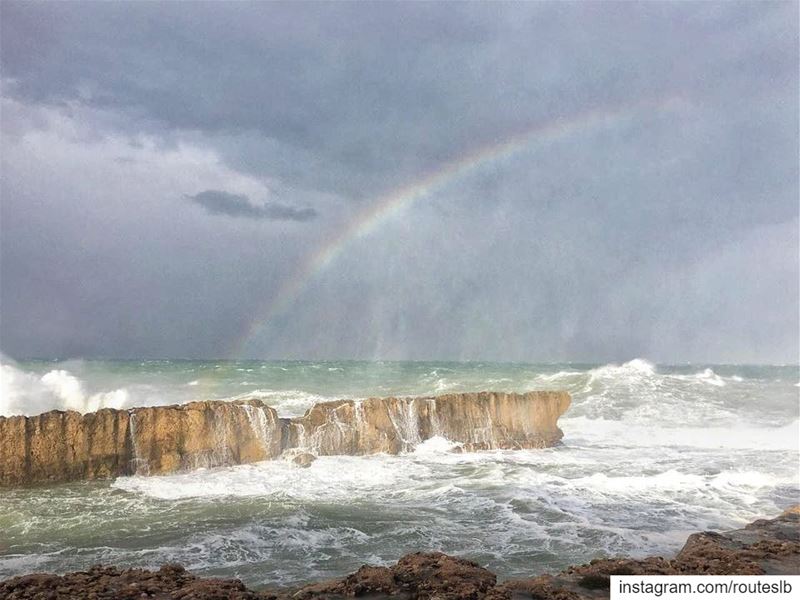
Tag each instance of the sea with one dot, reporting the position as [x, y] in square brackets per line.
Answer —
[650, 454]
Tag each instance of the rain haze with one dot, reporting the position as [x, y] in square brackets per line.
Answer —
[495, 181]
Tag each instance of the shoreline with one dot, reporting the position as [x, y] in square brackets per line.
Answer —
[765, 546]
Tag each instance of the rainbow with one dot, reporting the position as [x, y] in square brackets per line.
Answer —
[388, 206]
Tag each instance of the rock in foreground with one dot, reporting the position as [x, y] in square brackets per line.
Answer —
[67, 446]
[769, 547]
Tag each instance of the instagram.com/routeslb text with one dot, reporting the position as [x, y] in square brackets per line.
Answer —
[683, 587]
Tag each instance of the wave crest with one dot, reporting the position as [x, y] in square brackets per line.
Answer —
[23, 393]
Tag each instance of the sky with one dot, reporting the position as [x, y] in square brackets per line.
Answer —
[536, 182]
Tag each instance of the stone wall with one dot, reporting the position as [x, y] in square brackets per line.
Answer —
[67, 446]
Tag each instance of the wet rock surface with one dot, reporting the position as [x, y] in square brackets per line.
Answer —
[170, 582]
[418, 575]
[769, 547]
[303, 460]
[66, 446]
[477, 421]
[60, 446]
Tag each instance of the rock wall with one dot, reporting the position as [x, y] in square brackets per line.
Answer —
[479, 421]
[64, 446]
[67, 446]
[166, 439]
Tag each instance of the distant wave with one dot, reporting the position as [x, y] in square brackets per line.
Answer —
[636, 391]
[286, 402]
[23, 393]
[628, 433]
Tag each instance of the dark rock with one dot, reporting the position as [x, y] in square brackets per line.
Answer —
[303, 459]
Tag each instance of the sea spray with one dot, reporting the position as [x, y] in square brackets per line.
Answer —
[139, 465]
[403, 415]
[360, 419]
[436, 429]
[221, 453]
[26, 393]
[648, 456]
[262, 425]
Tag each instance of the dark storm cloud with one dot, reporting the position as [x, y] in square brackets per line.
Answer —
[217, 202]
[373, 93]
[598, 244]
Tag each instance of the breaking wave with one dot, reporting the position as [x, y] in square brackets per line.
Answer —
[24, 393]
[650, 453]
[287, 402]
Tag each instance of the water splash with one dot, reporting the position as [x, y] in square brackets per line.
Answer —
[404, 418]
[139, 465]
[262, 425]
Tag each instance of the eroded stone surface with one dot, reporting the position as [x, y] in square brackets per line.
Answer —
[478, 421]
[64, 446]
[67, 446]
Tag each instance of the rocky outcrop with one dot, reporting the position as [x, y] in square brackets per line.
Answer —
[67, 446]
[764, 547]
[171, 582]
[64, 446]
[477, 421]
[420, 575]
[202, 435]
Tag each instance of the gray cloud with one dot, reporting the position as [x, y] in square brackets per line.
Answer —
[668, 233]
[217, 202]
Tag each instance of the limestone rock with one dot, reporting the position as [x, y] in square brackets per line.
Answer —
[67, 446]
[478, 421]
[64, 446]
[166, 439]
[304, 460]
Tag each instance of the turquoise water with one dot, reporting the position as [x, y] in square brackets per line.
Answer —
[650, 454]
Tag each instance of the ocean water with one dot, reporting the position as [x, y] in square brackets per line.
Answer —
[650, 454]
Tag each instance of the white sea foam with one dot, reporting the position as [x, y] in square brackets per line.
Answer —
[707, 376]
[23, 393]
[444, 385]
[637, 367]
[649, 455]
[288, 403]
[629, 433]
[341, 477]
[435, 445]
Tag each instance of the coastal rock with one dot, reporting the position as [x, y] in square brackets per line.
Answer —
[763, 547]
[169, 582]
[477, 421]
[419, 576]
[166, 439]
[304, 460]
[64, 446]
[298, 457]
[67, 446]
